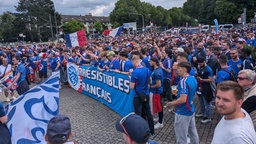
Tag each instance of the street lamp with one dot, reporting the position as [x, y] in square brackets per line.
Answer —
[142, 16]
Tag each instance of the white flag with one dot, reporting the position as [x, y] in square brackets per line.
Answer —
[29, 113]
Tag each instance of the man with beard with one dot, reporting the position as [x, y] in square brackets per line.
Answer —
[235, 62]
[205, 77]
[236, 125]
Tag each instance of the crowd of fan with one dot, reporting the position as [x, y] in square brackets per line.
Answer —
[227, 55]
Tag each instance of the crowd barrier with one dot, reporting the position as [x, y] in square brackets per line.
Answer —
[109, 88]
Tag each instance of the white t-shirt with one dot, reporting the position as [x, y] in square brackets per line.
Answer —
[236, 131]
[2, 69]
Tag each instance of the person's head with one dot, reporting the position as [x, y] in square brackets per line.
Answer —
[111, 55]
[208, 51]
[225, 45]
[200, 45]
[223, 60]
[229, 98]
[234, 53]
[58, 130]
[182, 57]
[135, 129]
[124, 54]
[201, 61]
[239, 44]
[15, 60]
[246, 78]
[183, 68]
[245, 52]
[135, 60]
[154, 62]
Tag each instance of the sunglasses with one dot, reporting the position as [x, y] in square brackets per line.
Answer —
[240, 78]
[123, 120]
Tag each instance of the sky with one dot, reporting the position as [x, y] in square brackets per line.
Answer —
[84, 7]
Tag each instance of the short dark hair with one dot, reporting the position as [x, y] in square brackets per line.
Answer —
[124, 54]
[231, 85]
[183, 54]
[186, 65]
[246, 51]
[223, 59]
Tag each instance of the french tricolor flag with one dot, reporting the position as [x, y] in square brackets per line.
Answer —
[76, 39]
[114, 32]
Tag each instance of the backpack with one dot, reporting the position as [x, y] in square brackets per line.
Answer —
[232, 75]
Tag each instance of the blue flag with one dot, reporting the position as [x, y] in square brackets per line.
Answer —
[216, 24]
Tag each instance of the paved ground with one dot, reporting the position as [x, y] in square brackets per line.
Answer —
[94, 123]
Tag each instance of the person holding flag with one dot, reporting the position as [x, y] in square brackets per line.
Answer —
[20, 77]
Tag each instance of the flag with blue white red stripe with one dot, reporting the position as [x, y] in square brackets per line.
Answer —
[116, 32]
[30, 113]
[76, 39]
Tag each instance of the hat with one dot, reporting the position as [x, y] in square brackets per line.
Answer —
[136, 127]
[180, 49]
[154, 59]
[58, 129]
[111, 53]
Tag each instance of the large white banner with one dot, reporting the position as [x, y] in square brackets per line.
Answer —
[132, 25]
[30, 113]
[73, 78]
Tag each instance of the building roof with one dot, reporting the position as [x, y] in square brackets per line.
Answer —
[86, 18]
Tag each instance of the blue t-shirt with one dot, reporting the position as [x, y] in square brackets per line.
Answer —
[152, 142]
[54, 63]
[157, 74]
[128, 65]
[146, 63]
[43, 66]
[188, 86]
[22, 70]
[223, 75]
[236, 66]
[114, 65]
[167, 63]
[103, 63]
[140, 76]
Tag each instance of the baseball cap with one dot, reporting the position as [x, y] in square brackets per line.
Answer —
[135, 127]
[111, 53]
[59, 129]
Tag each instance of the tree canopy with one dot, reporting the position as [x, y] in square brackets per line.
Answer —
[72, 26]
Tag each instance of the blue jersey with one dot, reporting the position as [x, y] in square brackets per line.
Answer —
[236, 66]
[146, 63]
[223, 75]
[188, 86]
[43, 66]
[157, 74]
[22, 70]
[167, 63]
[54, 63]
[140, 76]
[128, 66]
[114, 65]
[103, 63]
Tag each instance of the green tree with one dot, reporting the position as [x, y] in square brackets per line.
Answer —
[72, 26]
[98, 26]
[7, 26]
[37, 14]
[225, 10]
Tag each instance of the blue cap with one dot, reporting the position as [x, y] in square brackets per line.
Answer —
[58, 129]
[136, 127]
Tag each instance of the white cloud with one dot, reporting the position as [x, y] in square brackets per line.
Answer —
[83, 7]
